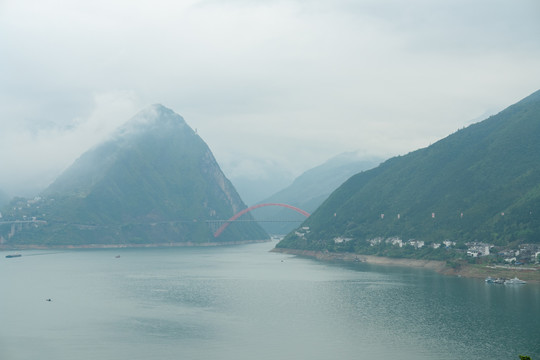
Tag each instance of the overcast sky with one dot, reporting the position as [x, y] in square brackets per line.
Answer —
[267, 84]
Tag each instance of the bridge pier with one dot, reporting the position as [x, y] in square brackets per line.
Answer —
[214, 224]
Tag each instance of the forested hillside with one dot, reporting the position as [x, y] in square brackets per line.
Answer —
[481, 183]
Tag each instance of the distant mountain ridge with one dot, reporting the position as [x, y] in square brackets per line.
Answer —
[4, 199]
[311, 188]
[154, 181]
[481, 183]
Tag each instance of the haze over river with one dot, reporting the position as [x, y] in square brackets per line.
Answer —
[243, 302]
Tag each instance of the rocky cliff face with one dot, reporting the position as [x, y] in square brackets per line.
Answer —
[154, 181]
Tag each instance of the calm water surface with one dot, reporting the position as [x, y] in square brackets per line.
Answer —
[243, 302]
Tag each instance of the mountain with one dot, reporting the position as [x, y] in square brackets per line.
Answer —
[481, 183]
[310, 189]
[4, 199]
[262, 183]
[154, 181]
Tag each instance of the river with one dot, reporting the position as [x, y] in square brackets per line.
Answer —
[244, 302]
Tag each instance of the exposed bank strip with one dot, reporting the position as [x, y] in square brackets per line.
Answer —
[530, 274]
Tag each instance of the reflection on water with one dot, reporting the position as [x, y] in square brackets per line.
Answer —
[242, 302]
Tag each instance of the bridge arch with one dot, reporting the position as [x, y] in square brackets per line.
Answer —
[240, 213]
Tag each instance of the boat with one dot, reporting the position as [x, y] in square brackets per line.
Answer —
[514, 281]
[13, 256]
[491, 280]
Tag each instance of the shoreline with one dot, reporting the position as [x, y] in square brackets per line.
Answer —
[466, 270]
[127, 246]
[529, 274]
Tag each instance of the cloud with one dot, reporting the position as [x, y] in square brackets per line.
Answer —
[31, 158]
[272, 81]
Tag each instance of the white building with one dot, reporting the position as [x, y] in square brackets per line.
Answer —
[478, 249]
[375, 241]
[339, 240]
[416, 243]
[395, 241]
[449, 243]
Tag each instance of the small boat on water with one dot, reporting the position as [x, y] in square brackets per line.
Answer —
[13, 256]
[491, 280]
[514, 281]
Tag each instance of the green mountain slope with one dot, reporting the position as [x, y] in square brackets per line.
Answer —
[155, 181]
[481, 183]
[310, 189]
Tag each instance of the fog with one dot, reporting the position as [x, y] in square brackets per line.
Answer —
[273, 87]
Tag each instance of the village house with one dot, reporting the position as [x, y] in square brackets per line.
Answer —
[375, 241]
[528, 253]
[417, 244]
[339, 240]
[395, 241]
[478, 249]
[302, 231]
[449, 243]
[508, 255]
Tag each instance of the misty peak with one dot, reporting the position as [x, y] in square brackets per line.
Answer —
[157, 114]
[160, 110]
[155, 118]
[146, 185]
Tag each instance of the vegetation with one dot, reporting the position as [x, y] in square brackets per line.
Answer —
[480, 184]
[156, 181]
[310, 189]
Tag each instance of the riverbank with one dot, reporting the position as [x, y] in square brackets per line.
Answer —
[122, 246]
[529, 274]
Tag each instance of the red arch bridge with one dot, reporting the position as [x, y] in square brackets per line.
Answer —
[234, 218]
